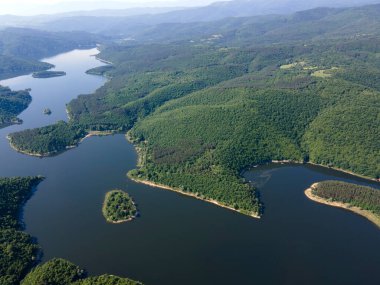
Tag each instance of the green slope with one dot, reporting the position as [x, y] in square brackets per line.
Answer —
[201, 113]
[12, 103]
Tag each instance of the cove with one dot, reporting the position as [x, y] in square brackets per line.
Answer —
[177, 239]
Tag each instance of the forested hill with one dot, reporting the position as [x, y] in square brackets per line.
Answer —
[95, 22]
[20, 49]
[12, 103]
[203, 111]
[318, 23]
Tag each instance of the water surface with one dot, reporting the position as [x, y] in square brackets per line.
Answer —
[177, 239]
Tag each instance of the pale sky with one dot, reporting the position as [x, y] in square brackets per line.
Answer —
[32, 7]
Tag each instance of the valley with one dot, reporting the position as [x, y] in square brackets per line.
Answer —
[236, 117]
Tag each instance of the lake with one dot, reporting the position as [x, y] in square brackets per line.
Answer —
[178, 239]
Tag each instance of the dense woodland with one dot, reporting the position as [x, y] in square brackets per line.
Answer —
[364, 197]
[48, 140]
[12, 103]
[118, 207]
[18, 250]
[204, 110]
[62, 272]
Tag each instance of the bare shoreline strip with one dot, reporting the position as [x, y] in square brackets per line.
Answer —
[364, 213]
[161, 186]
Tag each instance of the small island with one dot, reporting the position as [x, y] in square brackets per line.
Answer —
[47, 111]
[361, 200]
[48, 74]
[118, 207]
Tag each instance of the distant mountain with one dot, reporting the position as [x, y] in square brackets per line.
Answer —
[105, 21]
[70, 6]
[35, 44]
[117, 20]
[21, 49]
[304, 25]
[121, 12]
[57, 19]
[246, 8]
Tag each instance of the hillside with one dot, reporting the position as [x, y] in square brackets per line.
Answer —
[315, 24]
[12, 103]
[21, 49]
[18, 250]
[312, 24]
[109, 24]
[202, 112]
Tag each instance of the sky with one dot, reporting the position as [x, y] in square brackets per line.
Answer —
[33, 7]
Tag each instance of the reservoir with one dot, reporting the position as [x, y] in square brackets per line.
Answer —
[178, 239]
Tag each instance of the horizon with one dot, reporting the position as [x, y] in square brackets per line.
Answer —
[46, 7]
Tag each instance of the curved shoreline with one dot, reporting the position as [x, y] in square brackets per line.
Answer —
[118, 221]
[327, 167]
[345, 171]
[54, 153]
[165, 187]
[140, 153]
[364, 213]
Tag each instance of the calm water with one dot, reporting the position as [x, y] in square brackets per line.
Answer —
[177, 239]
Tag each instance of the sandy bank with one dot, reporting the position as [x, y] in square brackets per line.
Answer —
[367, 214]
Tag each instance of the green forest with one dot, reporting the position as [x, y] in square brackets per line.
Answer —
[363, 197]
[118, 207]
[202, 111]
[62, 272]
[18, 251]
[12, 103]
[47, 140]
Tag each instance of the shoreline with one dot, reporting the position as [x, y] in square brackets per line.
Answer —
[139, 163]
[40, 155]
[324, 166]
[118, 221]
[96, 134]
[103, 60]
[364, 213]
[50, 154]
[165, 187]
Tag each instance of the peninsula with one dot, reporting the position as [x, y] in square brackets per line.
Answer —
[12, 103]
[361, 200]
